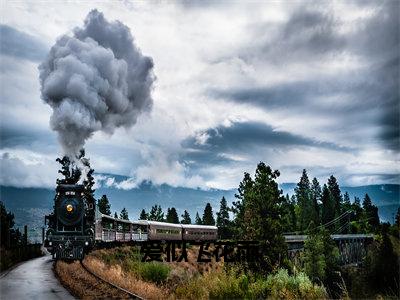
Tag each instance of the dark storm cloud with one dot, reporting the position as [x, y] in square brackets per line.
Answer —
[20, 44]
[292, 95]
[369, 97]
[243, 136]
[308, 33]
[196, 158]
[12, 136]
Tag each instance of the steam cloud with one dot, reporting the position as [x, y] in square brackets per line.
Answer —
[96, 80]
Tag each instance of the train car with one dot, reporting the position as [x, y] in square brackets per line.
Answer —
[70, 231]
[161, 231]
[109, 229]
[199, 232]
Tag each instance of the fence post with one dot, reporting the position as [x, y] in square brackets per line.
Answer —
[26, 234]
[42, 235]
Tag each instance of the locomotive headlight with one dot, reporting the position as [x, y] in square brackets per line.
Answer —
[70, 208]
[86, 243]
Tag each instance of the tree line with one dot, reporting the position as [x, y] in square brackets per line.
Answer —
[313, 205]
[9, 235]
[309, 207]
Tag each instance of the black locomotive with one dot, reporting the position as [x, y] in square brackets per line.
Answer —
[76, 225]
[70, 228]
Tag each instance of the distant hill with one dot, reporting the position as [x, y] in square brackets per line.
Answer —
[31, 204]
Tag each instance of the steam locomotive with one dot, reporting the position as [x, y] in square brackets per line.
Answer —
[70, 228]
[76, 226]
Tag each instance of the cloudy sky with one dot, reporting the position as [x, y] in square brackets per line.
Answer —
[294, 84]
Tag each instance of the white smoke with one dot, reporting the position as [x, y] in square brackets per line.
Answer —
[95, 80]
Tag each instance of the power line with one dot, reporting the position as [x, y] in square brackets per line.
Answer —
[327, 224]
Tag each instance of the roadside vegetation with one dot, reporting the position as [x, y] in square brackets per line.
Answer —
[14, 246]
[186, 280]
[261, 213]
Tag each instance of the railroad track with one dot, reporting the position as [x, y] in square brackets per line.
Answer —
[131, 295]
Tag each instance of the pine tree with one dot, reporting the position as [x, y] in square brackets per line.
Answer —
[314, 258]
[397, 220]
[104, 205]
[172, 216]
[223, 222]
[316, 195]
[346, 202]
[124, 214]
[258, 214]
[328, 206]
[245, 192]
[186, 218]
[156, 214]
[143, 215]
[303, 195]
[371, 213]
[115, 215]
[208, 216]
[289, 216]
[358, 224]
[336, 195]
[7, 223]
[356, 207]
[331, 253]
[198, 220]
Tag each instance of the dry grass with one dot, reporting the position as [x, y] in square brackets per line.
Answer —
[128, 281]
[83, 285]
[185, 280]
[113, 264]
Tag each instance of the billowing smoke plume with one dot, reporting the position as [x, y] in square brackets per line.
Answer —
[95, 80]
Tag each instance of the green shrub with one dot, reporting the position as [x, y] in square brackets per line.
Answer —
[283, 286]
[223, 284]
[258, 290]
[153, 271]
[193, 289]
[229, 284]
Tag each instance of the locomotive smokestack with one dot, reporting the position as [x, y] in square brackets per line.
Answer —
[95, 80]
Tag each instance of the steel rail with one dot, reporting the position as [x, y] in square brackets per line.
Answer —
[132, 295]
